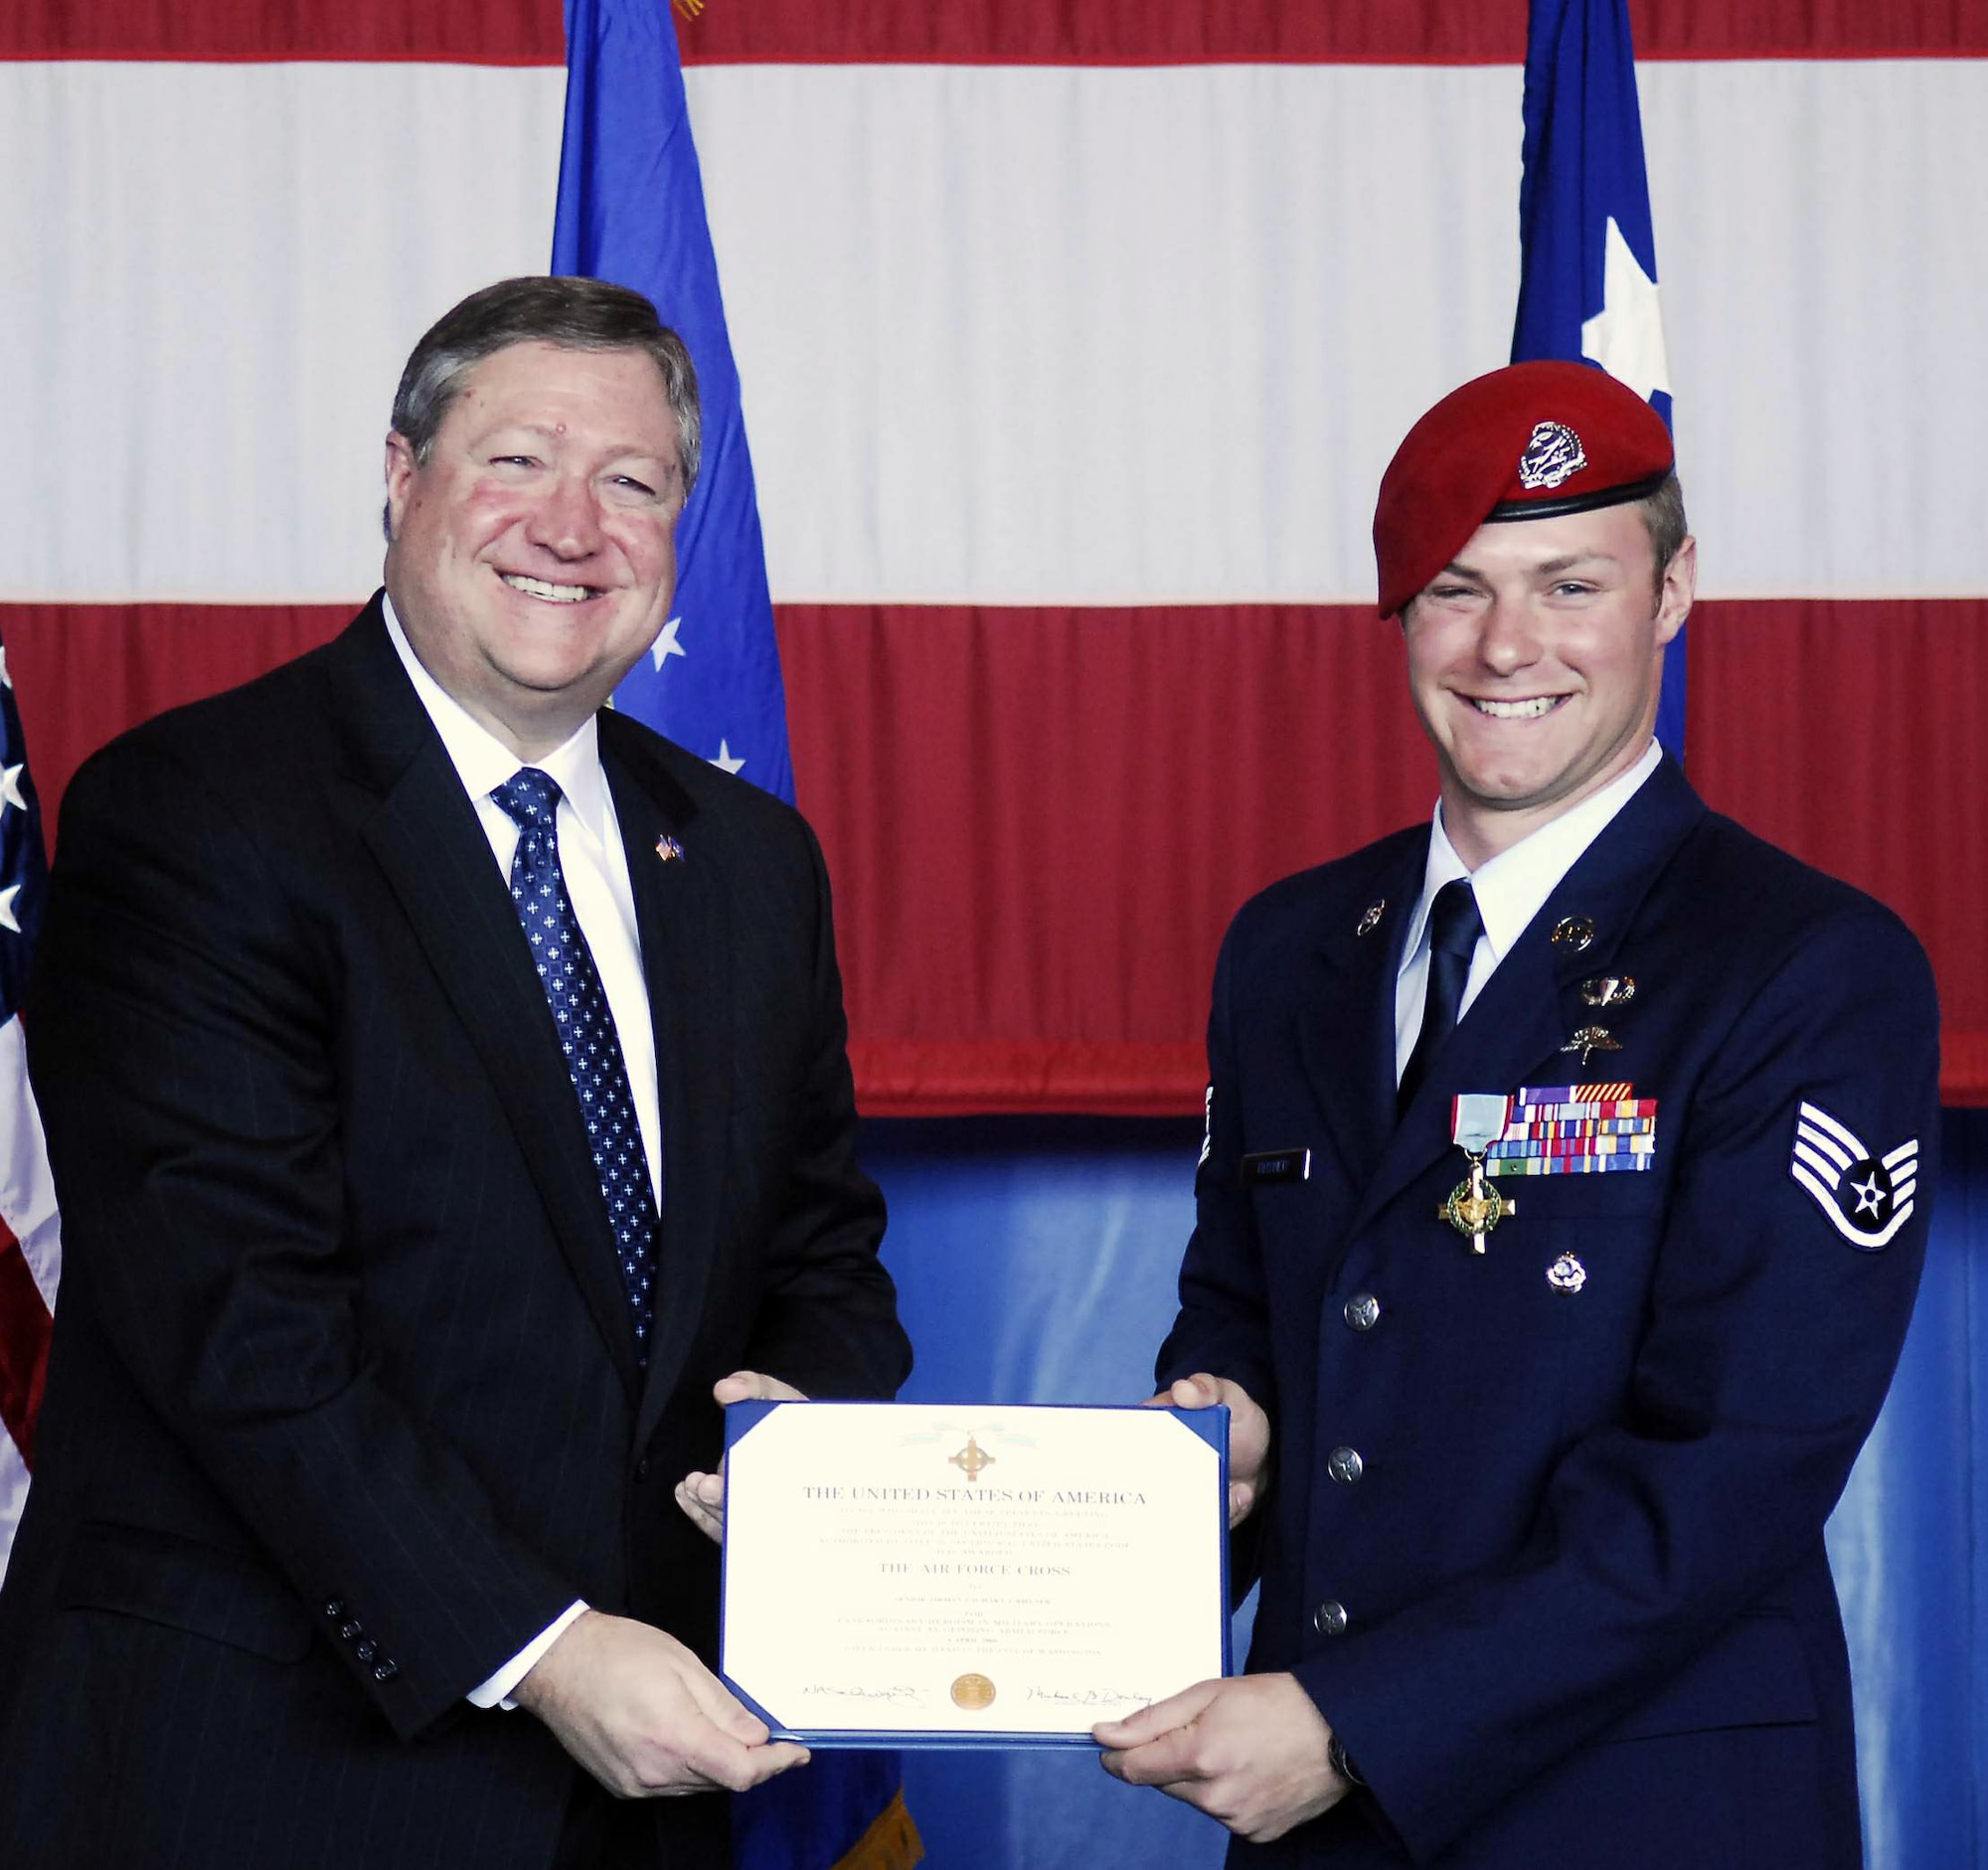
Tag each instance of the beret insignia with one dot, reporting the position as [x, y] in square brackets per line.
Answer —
[1552, 456]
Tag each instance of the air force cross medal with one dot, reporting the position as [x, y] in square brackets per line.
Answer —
[1866, 1198]
[1476, 1206]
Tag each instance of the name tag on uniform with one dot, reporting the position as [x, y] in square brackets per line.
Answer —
[1276, 1165]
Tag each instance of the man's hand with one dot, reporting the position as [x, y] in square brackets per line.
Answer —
[701, 1496]
[1249, 1434]
[644, 1716]
[1250, 1752]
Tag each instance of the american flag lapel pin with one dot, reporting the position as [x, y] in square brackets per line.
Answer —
[668, 849]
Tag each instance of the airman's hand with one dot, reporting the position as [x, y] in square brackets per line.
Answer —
[1249, 1435]
[1249, 1751]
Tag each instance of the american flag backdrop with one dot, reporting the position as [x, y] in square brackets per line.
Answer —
[1073, 335]
[30, 1231]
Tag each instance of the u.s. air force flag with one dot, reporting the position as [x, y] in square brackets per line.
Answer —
[631, 209]
[1587, 282]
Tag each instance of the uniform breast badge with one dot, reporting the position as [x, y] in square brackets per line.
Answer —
[1476, 1206]
[1591, 1039]
[1573, 931]
[1602, 990]
[1566, 1274]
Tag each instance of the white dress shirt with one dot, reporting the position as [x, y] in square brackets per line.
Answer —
[596, 865]
[1510, 889]
[591, 856]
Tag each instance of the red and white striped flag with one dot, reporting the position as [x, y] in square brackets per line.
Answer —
[30, 1233]
[1073, 339]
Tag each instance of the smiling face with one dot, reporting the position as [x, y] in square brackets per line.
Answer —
[1534, 661]
[533, 554]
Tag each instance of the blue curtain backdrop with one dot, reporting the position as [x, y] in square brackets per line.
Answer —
[1036, 1261]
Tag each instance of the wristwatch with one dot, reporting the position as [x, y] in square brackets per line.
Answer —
[1335, 1758]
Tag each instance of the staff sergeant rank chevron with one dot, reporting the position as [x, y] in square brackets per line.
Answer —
[1867, 1198]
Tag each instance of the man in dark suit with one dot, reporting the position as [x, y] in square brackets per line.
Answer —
[446, 1085]
[1560, 1213]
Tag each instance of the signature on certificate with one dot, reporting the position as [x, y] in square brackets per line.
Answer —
[869, 1691]
[1091, 1697]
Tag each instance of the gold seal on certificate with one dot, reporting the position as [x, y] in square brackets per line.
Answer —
[902, 1574]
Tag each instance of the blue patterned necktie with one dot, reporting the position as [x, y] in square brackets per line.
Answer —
[585, 1032]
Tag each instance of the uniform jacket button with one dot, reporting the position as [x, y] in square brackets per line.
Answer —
[1363, 1311]
[1329, 1619]
[1345, 1466]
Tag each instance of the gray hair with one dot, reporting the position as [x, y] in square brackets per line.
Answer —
[569, 313]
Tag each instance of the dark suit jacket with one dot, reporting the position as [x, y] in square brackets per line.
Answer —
[343, 1406]
[1586, 1615]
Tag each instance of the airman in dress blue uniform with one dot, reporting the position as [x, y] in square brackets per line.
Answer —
[1561, 1210]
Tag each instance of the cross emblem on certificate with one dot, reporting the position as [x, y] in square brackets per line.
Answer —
[1475, 1206]
[971, 1460]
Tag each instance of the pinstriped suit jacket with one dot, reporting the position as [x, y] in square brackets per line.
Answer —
[343, 1404]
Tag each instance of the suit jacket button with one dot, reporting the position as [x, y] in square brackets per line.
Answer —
[1363, 1311]
[365, 1650]
[642, 1468]
[385, 1669]
[350, 1629]
[335, 1608]
[1329, 1619]
[1345, 1466]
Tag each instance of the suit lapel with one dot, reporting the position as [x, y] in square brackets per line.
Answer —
[1516, 1028]
[679, 911]
[1347, 992]
[424, 832]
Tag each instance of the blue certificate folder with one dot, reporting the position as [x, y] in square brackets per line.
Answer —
[963, 1729]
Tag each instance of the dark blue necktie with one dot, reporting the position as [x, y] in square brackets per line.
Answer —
[1454, 926]
[586, 1033]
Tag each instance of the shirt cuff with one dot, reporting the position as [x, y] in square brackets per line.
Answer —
[496, 1691]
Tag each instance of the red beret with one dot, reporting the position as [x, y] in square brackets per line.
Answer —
[1528, 441]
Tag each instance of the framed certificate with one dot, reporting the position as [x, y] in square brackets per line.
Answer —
[913, 1575]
